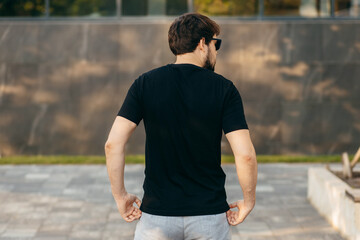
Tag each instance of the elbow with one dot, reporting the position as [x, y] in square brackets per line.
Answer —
[114, 147]
[108, 146]
[248, 157]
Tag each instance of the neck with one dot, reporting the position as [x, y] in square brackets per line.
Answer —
[186, 58]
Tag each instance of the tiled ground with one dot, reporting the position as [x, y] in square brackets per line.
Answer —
[75, 202]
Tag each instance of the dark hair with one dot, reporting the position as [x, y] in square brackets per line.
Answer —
[187, 30]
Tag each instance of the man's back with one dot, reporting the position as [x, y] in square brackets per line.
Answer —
[185, 108]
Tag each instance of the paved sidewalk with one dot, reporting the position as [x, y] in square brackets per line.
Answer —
[74, 202]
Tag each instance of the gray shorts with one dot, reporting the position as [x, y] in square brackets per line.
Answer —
[201, 227]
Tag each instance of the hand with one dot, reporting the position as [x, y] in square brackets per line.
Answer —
[125, 206]
[236, 217]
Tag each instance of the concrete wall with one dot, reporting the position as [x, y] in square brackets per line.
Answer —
[327, 194]
[62, 83]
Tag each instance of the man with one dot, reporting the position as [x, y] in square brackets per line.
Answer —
[185, 106]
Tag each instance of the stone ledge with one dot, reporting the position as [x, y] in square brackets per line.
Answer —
[330, 196]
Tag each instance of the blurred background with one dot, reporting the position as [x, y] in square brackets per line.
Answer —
[118, 8]
[66, 66]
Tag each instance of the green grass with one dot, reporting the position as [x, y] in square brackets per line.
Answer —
[130, 159]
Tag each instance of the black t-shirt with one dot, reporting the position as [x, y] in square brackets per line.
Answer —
[185, 108]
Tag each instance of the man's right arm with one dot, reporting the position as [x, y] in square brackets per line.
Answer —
[246, 163]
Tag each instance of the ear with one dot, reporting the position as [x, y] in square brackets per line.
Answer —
[202, 44]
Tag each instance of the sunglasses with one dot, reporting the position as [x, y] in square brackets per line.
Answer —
[218, 43]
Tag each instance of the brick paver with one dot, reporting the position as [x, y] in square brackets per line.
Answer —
[74, 202]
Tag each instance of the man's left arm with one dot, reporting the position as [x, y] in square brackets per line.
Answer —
[120, 132]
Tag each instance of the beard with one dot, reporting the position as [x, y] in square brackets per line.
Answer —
[208, 64]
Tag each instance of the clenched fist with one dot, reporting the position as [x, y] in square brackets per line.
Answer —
[126, 207]
[236, 217]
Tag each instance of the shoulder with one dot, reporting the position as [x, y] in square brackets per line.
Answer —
[154, 72]
[158, 71]
[226, 82]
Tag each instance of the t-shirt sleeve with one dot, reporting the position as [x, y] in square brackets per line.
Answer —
[233, 113]
[132, 108]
